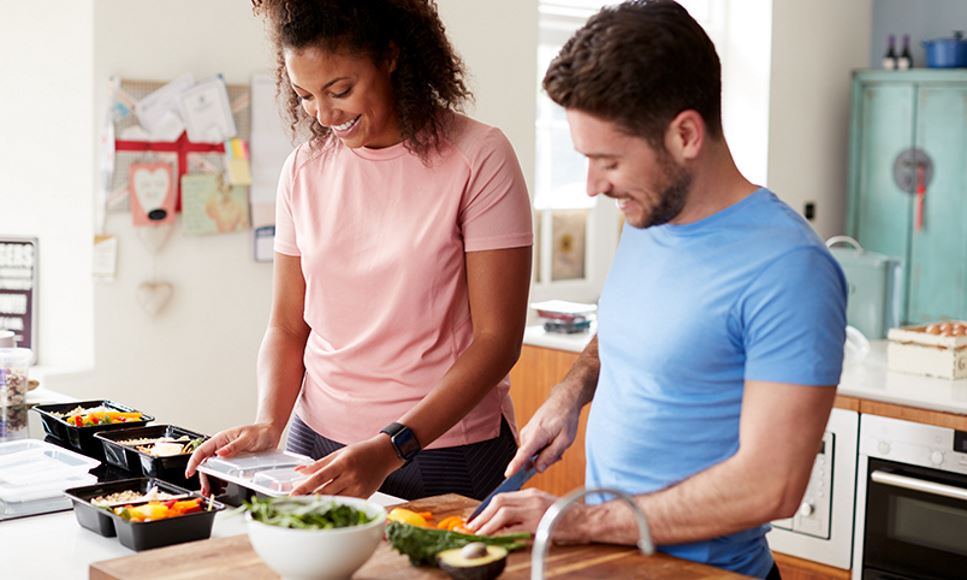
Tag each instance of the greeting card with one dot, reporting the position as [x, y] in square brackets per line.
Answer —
[210, 206]
[152, 188]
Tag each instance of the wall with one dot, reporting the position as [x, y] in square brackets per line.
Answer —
[46, 163]
[813, 55]
[921, 19]
[195, 363]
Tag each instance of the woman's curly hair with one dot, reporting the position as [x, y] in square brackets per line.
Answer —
[429, 76]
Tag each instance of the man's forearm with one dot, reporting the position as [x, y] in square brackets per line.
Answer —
[581, 379]
[723, 499]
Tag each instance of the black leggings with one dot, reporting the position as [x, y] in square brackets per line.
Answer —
[774, 573]
[472, 470]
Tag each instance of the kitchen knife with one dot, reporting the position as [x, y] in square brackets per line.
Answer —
[512, 483]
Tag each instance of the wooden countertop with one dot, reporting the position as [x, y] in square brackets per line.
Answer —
[233, 557]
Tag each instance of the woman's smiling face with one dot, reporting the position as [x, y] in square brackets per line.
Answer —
[347, 93]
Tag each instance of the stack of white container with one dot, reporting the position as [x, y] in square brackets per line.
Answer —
[34, 475]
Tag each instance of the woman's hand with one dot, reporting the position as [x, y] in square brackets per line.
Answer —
[356, 470]
[244, 439]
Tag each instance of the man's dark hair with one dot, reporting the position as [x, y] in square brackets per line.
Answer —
[429, 76]
[639, 64]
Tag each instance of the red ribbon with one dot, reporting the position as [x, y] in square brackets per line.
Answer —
[182, 147]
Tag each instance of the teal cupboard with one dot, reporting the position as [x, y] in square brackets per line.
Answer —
[908, 182]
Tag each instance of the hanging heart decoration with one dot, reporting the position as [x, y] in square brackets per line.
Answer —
[154, 296]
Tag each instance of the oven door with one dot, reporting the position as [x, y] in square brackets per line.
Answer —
[916, 523]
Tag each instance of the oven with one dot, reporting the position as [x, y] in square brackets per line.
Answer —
[911, 512]
[822, 528]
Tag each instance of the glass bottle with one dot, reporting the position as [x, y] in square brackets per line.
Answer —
[889, 59]
[905, 61]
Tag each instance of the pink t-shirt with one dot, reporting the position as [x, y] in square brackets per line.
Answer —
[382, 239]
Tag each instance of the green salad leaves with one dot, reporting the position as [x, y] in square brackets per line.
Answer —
[421, 545]
[305, 512]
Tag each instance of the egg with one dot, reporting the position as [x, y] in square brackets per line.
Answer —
[167, 449]
[933, 329]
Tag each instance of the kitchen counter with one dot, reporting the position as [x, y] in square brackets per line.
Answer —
[227, 558]
[537, 336]
[869, 379]
[56, 546]
[865, 378]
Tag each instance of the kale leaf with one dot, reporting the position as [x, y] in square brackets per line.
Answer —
[421, 545]
[310, 512]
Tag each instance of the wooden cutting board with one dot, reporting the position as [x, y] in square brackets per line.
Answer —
[232, 558]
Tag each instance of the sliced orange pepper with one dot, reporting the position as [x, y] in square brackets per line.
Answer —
[452, 523]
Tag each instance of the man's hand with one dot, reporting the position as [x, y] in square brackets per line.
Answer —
[521, 511]
[356, 470]
[550, 431]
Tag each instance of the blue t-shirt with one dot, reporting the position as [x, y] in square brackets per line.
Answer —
[690, 312]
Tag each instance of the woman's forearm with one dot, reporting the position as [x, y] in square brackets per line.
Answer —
[280, 370]
[474, 374]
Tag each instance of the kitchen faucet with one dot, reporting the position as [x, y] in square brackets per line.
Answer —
[542, 540]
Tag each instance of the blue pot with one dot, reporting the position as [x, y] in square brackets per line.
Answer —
[946, 52]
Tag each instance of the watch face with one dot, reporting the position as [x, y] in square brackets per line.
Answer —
[406, 444]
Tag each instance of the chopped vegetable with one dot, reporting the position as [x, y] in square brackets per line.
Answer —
[158, 510]
[80, 417]
[311, 512]
[413, 518]
[421, 545]
[454, 524]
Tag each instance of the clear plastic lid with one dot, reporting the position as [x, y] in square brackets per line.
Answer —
[31, 469]
[40, 494]
[245, 466]
[278, 480]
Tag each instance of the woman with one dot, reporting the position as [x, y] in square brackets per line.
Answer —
[402, 262]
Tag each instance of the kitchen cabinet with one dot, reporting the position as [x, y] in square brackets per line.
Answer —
[913, 124]
[793, 568]
[531, 379]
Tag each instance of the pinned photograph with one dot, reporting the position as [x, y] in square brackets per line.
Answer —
[211, 206]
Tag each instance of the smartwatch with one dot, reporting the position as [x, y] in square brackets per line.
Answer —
[403, 440]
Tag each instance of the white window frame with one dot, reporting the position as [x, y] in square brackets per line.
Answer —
[557, 21]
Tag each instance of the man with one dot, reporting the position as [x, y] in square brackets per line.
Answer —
[721, 325]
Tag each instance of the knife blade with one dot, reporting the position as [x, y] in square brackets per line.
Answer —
[512, 483]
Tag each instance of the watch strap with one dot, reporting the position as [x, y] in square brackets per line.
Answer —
[403, 440]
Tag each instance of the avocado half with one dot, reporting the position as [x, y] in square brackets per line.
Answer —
[475, 561]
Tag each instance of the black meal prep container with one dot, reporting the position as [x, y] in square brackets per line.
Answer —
[171, 469]
[140, 536]
[231, 493]
[82, 438]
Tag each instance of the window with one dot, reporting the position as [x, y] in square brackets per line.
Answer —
[575, 234]
[563, 209]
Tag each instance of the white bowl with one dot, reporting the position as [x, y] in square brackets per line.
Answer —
[298, 554]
